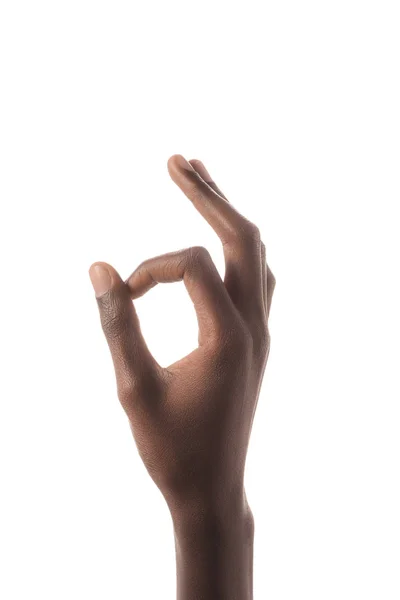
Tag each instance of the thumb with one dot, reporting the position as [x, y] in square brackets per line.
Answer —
[135, 368]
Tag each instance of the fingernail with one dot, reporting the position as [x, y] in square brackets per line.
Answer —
[101, 279]
[202, 171]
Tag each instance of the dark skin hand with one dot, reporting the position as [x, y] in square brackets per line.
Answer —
[192, 421]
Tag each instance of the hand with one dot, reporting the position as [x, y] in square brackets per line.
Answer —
[192, 420]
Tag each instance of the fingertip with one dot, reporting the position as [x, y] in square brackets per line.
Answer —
[177, 162]
[199, 167]
[103, 277]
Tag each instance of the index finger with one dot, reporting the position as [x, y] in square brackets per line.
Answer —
[193, 266]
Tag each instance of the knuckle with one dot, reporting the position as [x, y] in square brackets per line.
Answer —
[199, 254]
[125, 390]
[238, 340]
[141, 384]
[244, 343]
[250, 233]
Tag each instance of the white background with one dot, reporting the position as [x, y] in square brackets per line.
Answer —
[294, 107]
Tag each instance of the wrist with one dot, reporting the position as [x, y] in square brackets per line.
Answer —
[214, 550]
[194, 517]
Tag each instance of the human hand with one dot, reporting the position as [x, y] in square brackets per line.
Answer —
[192, 420]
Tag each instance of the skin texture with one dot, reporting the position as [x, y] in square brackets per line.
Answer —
[192, 420]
